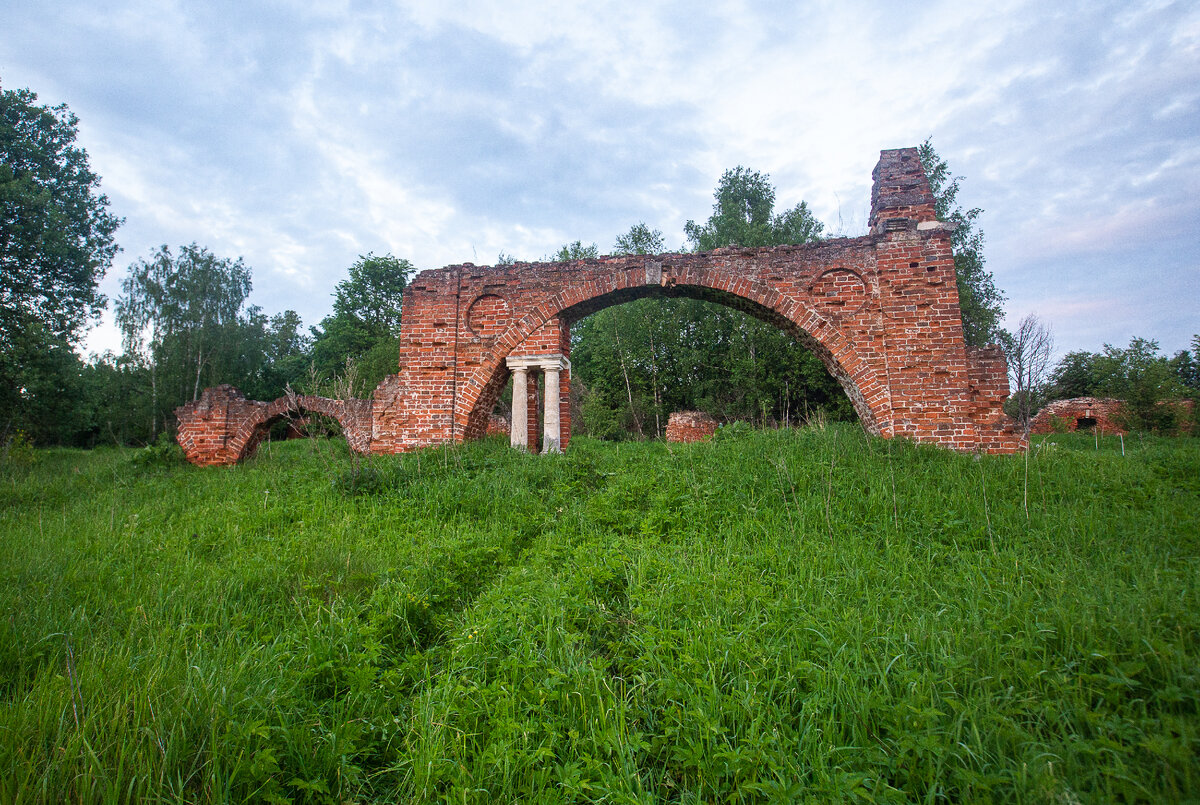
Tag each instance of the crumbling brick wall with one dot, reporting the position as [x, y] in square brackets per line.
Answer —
[1079, 413]
[881, 311]
[1103, 414]
[223, 427]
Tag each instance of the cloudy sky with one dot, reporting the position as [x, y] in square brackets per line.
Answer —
[300, 135]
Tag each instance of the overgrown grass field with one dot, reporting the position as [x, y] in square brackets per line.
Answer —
[791, 616]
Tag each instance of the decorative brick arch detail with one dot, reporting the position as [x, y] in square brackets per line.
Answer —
[223, 427]
[881, 311]
[697, 279]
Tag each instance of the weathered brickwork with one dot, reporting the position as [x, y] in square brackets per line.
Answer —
[223, 427]
[1103, 414]
[881, 311]
[690, 426]
[497, 426]
[1079, 413]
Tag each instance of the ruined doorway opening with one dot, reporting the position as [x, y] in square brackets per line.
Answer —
[535, 410]
[547, 339]
[1085, 423]
[638, 362]
[637, 356]
[322, 430]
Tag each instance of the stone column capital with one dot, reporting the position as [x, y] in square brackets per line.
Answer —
[557, 362]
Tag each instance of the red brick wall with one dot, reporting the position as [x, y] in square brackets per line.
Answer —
[223, 427]
[690, 426]
[497, 425]
[1106, 412]
[1068, 413]
[881, 311]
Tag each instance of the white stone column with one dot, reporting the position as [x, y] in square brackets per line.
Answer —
[551, 429]
[523, 367]
[518, 429]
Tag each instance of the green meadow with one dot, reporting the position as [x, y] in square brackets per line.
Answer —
[804, 615]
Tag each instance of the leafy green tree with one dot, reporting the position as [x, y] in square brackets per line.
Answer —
[365, 325]
[744, 215]
[1074, 376]
[573, 251]
[642, 360]
[1138, 374]
[757, 372]
[56, 233]
[46, 403]
[617, 395]
[641, 239]
[181, 315]
[1186, 366]
[982, 303]
[116, 408]
[374, 293]
[56, 242]
[287, 352]
[1142, 377]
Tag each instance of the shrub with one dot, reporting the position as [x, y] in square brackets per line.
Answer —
[165, 452]
[17, 451]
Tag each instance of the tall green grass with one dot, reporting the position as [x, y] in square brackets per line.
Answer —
[807, 615]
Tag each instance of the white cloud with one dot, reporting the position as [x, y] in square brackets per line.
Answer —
[302, 135]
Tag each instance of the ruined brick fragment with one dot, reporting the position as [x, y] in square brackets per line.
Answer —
[690, 426]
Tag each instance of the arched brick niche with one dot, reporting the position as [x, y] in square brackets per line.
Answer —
[488, 316]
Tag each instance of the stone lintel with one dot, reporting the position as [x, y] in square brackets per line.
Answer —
[946, 225]
[556, 361]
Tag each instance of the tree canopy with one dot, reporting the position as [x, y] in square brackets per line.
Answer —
[744, 215]
[56, 242]
[1139, 374]
[56, 233]
[181, 317]
[365, 325]
[642, 360]
[640, 239]
[573, 251]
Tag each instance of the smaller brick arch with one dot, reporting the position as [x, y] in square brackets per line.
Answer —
[223, 427]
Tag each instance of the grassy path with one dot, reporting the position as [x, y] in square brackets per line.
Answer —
[785, 616]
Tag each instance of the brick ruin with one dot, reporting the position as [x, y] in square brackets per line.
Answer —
[223, 427]
[1103, 414]
[881, 311]
[690, 426]
[1079, 413]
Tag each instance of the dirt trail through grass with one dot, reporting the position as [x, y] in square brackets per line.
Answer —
[799, 615]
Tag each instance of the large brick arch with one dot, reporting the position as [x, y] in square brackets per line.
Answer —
[639, 277]
[881, 311]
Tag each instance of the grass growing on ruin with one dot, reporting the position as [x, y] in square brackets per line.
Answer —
[783, 616]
